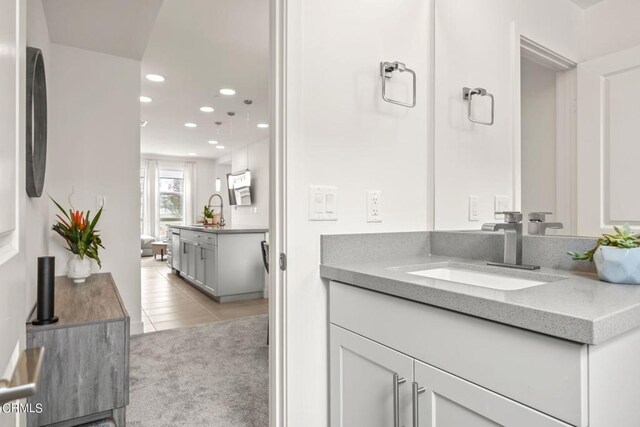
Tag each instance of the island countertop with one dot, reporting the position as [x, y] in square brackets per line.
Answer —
[574, 305]
[228, 229]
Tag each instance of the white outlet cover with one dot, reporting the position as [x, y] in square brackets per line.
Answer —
[374, 206]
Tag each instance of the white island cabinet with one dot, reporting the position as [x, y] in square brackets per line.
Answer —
[226, 263]
[439, 368]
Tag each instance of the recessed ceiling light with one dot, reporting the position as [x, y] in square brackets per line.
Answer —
[145, 99]
[190, 125]
[213, 142]
[206, 109]
[227, 92]
[193, 154]
[263, 125]
[155, 77]
[220, 147]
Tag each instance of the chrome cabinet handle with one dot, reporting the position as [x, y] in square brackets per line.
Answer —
[184, 247]
[415, 391]
[201, 253]
[396, 399]
[25, 378]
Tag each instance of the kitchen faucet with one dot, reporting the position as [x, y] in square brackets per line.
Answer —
[222, 220]
[512, 240]
[538, 226]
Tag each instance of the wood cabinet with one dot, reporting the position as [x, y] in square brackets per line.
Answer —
[85, 375]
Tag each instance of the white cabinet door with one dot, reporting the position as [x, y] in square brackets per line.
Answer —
[608, 149]
[362, 382]
[211, 269]
[200, 265]
[445, 400]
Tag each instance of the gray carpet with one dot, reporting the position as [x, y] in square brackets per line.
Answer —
[209, 375]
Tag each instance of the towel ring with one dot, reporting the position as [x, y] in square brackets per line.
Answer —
[386, 70]
[467, 95]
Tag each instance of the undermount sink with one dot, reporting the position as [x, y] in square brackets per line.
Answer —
[503, 282]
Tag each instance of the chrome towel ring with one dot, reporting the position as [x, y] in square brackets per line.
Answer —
[467, 95]
[386, 71]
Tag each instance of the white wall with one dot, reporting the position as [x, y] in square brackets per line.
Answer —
[256, 158]
[340, 132]
[610, 26]
[538, 87]
[476, 46]
[94, 126]
[222, 169]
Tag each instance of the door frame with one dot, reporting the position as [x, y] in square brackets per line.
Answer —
[566, 124]
[277, 214]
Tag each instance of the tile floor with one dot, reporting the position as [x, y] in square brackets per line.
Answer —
[168, 302]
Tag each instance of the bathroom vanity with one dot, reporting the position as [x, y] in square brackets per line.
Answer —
[481, 345]
[224, 262]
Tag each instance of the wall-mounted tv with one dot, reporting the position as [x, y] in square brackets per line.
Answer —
[239, 185]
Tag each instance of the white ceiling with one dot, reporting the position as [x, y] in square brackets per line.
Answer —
[586, 3]
[201, 46]
[115, 27]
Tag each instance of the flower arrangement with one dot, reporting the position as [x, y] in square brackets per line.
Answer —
[79, 231]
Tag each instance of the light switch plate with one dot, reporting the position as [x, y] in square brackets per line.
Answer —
[500, 204]
[100, 202]
[323, 203]
[374, 206]
[474, 208]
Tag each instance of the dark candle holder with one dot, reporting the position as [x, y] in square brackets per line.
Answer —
[46, 291]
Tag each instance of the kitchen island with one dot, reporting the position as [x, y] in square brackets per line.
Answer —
[224, 262]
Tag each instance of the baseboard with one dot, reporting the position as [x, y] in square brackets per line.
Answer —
[136, 328]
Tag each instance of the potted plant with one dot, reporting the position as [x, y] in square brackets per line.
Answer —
[617, 256]
[208, 215]
[83, 241]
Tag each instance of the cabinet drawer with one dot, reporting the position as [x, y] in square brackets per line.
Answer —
[543, 372]
[202, 237]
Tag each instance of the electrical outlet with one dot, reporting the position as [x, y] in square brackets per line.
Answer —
[474, 208]
[500, 204]
[374, 206]
[100, 201]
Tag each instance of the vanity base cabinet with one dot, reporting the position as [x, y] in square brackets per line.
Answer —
[364, 375]
[477, 372]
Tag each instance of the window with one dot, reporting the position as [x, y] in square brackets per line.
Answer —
[171, 199]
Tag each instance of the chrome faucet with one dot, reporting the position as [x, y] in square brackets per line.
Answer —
[512, 240]
[538, 226]
[222, 220]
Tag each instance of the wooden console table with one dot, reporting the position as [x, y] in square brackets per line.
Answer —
[85, 375]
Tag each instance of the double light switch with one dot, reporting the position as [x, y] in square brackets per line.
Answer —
[323, 203]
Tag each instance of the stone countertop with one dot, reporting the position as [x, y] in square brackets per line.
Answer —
[222, 230]
[575, 305]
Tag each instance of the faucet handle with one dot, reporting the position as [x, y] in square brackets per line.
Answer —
[539, 216]
[512, 217]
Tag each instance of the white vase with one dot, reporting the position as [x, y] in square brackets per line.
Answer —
[78, 269]
[617, 265]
